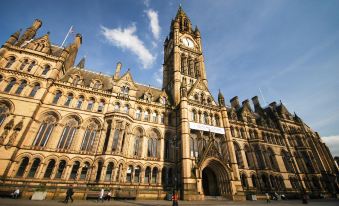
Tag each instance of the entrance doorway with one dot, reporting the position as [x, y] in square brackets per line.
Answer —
[209, 182]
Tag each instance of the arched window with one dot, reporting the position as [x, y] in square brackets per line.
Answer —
[249, 157]
[115, 139]
[23, 64]
[194, 147]
[84, 171]
[68, 134]
[34, 167]
[10, 85]
[155, 117]
[21, 87]
[126, 108]
[117, 106]
[194, 116]
[287, 161]
[138, 114]
[167, 149]
[56, 97]
[136, 146]
[34, 90]
[109, 172]
[244, 181]
[96, 85]
[46, 70]
[149, 147]
[272, 159]
[154, 175]
[30, 67]
[99, 170]
[74, 170]
[254, 180]
[147, 175]
[238, 156]
[49, 169]
[90, 104]
[61, 168]
[4, 112]
[89, 137]
[146, 115]
[137, 172]
[232, 132]
[69, 99]
[45, 131]
[129, 173]
[22, 167]
[101, 106]
[10, 62]
[80, 101]
[217, 120]
[205, 118]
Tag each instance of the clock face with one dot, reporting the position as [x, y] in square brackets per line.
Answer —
[188, 42]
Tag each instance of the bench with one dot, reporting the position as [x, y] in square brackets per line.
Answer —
[125, 194]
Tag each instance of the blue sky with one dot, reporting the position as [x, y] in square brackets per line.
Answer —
[289, 49]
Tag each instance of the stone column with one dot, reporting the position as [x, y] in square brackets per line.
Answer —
[77, 140]
[55, 136]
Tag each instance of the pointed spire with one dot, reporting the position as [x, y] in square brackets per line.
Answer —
[81, 63]
[221, 99]
[196, 31]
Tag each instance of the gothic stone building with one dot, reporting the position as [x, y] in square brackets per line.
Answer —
[64, 125]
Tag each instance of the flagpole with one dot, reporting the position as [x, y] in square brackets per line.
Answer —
[69, 31]
[262, 96]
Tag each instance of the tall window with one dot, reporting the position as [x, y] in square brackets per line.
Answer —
[152, 147]
[56, 97]
[34, 168]
[68, 134]
[109, 172]
[23, 64]
[137, 172]
[146, 115]
[249, 157]
[61, 168]
[10, 62]
[30, 67]
[10, 85]
[46, 70]
[129, 173]
[22, 167]
[244, 181]
[155, 117]
[34, 90]
[154, 175]
[4, 112]
[126, 108]
[74, 170]
[147, 175]
[80, 101]
[138, 114]
[167, 149]
[101, 106]
[69, 99]
[238, 156]
[90, 104]
[49, 169]
[136, 146]
[84, 171]
[45, 131]
[21, 87]
[115, 139]
[89, 137]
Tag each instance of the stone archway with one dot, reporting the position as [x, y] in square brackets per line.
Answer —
[215, 178]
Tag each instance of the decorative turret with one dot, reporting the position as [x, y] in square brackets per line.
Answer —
[221, 99]
[30, 32]
[235, 102]
[256, 103]
[73, 51]
[117, 71]
[13, 38]
[81, 63]
[197, 32]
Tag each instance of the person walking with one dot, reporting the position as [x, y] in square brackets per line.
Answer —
[101, 195]
[267, 198]
[16, 193]
[109, 196]
[69, 194]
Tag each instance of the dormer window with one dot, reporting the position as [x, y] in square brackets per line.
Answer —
[96, 85]
[76, 80]
[148, 97]
[125, 90]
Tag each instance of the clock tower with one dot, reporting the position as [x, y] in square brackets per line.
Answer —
[183, 58]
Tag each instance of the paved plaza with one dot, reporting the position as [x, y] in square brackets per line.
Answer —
[24, 202]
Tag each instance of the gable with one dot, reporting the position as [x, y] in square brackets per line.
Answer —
[199, 92]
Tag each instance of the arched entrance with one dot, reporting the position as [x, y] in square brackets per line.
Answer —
[215, 178]
[209, 182]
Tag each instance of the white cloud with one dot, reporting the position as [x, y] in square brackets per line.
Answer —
[333, 143]
[158, 76]
[146, 2]
[126, 38]
[154, 23]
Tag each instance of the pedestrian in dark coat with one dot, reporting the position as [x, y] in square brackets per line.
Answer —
[69, 194]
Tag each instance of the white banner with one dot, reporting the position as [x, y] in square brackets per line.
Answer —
[207, 128]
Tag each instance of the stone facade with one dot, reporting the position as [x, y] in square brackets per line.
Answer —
[62, 125]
